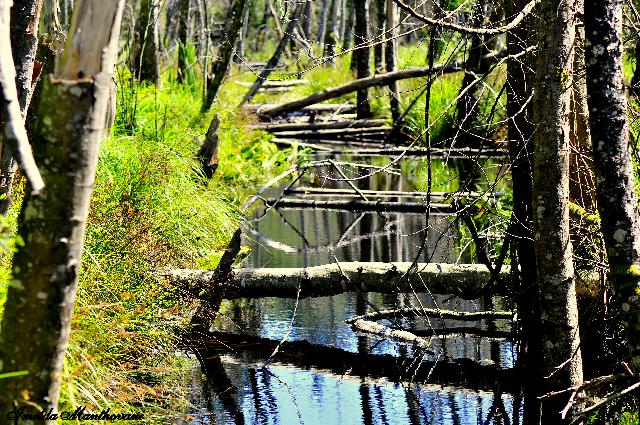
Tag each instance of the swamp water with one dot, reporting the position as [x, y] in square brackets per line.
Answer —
[324, 372]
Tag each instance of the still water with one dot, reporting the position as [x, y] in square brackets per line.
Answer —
[325, 373]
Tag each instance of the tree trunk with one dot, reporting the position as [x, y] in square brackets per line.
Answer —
[183, 38]
[560, 344]
[25, 18]
[361, 55]
[391, 58]
[616, 195]
[519, 87]
[330, 38]
[381, 28]
[322, 22]
[348, 24]
[275, 58]
[52, 223]
[307, 20]
[240, 54]
[146, 61]
[220, 66]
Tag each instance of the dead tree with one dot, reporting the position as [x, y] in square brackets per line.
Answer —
[183, 39]
[52, 223]
[220, 66]
[560, 337]
[146, 58]
[275, 58]
[208, 153]
[362, 55]
[615, 185]
[25, 17]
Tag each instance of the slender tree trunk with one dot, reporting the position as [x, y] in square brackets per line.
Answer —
[146, 60]
[273, 62]
[519, 112]
[25, 17]
[220, 66]
[52, 223]
[381, 25]
[617, 201]
[183, 38]
[348, 24]
[307, 20]
[362, 55]
[560, 344]
[240, 54]
[330, 39]
[391, 57]
[322, 22]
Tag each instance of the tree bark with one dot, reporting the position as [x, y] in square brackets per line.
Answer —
[24, 21]
[41, 296]
[146, 60]
[331, 34]
[220, 66]
[615, 185]
[463, 280]
[362, 55]
[322, 22]
[560, 344]
[347, 32]
[183, 38]
[381, 28]
[391, 58]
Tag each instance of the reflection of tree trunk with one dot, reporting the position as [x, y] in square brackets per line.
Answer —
[560, 331]
[262, 416]
[617, 200]
[361, 55]
[217, 379]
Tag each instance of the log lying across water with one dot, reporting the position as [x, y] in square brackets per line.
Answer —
[306, 126]
[389, 193]
[362, 205]
[275, 84]
[464, 280]
[342, 108]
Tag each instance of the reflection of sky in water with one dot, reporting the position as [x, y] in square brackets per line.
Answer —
[288, 395]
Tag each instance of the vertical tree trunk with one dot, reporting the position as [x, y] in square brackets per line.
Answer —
[240, 54]
[146, 60]
[307, 20]
[25, 17]
[560, 344]
[322, 22]
[391, 57]
[519, 88]
[381, 26]
[183, 38]
[220, 66]
[330, 39]
[348, 24]
[362, 55]
[273, 62]
[616, 195]
[52, 223]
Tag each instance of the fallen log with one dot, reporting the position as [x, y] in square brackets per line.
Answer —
[433, 312]
[389, 193]
[363, 83]
[327, 133]
[362, 205]
[396, 335]
[343, 108]
[466, 281]
[277, 127]
[317, 146]
[276, 84]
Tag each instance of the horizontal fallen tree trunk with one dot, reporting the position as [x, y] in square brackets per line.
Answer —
[433, 312]
[342, 108]
[466, 281]
[336, 134]
[277, 127]
[396, 335]
[389, 193]
[275, 84]
[377, 80]
[361, 205]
